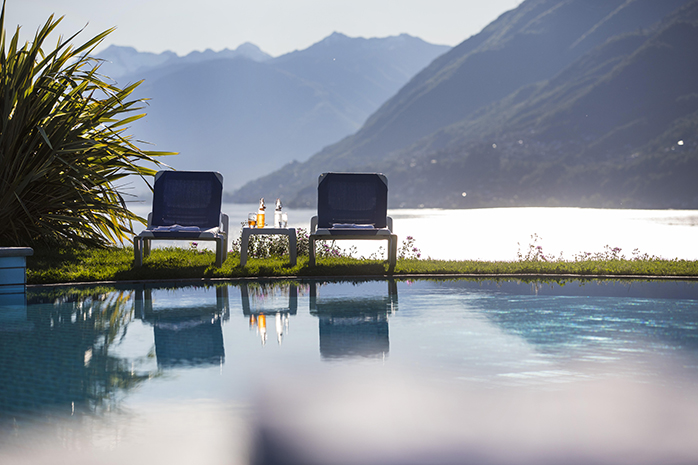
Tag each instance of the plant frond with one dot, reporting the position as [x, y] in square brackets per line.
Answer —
[63, 144]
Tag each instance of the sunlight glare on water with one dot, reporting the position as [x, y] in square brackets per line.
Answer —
[500, 233]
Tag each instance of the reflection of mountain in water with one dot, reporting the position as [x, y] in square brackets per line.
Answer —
[187, 335]
[354, 326]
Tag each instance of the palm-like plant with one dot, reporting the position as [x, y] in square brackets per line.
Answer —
[62, 145]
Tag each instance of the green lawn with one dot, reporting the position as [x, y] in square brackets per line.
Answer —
[116, 264]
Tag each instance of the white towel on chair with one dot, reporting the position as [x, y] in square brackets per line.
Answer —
[352, 226]
[177, 228]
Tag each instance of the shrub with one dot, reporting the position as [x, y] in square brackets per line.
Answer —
[408, 251]
[62, 145]
[275, 246]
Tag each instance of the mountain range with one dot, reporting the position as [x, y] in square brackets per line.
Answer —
[556, 102]
[120, 61]
[245, 114]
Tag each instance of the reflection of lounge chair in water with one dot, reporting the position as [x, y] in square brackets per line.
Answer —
[354, 327]
[354, 335]
[196, 341]
[353, 206]
[186, 335]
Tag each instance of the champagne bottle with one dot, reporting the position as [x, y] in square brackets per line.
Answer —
[260, 213]
[277, 214]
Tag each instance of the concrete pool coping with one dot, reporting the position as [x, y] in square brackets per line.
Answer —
[367, 277]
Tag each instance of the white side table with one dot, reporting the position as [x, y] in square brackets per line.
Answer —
[247, 232]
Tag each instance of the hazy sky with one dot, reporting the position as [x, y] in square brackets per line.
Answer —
[276, 26]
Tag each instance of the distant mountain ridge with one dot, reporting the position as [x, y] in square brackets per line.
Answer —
[571, 102]
[362, 77]
[245, 114]
[123, 61]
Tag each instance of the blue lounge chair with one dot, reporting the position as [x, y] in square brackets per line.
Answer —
[353, 206]
[186, 206]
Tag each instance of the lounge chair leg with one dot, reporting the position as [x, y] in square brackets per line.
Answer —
[392, 252]
[137, 252]
[219, 253]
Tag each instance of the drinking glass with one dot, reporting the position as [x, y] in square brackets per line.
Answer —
[251, 220]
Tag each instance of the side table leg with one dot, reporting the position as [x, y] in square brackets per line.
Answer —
[311, 251]
[292, 247]
[243, 246]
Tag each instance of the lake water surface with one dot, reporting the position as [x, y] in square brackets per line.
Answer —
[500, 233]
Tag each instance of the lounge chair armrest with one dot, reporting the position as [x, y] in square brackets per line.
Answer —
[313, 224]
[225, 223]
[389, 223]
[150, 220]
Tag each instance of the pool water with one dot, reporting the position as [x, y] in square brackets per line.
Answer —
[384, 372]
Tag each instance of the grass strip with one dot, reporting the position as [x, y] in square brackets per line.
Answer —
[116, 264]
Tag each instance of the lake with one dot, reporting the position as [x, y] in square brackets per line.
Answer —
[500, 233]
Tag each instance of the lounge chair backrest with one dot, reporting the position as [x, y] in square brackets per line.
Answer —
[356, 198]
[187, 198]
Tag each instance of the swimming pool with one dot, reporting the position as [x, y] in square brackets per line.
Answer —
[423, 371]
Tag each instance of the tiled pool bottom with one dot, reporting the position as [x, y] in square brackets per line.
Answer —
[376, 372]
